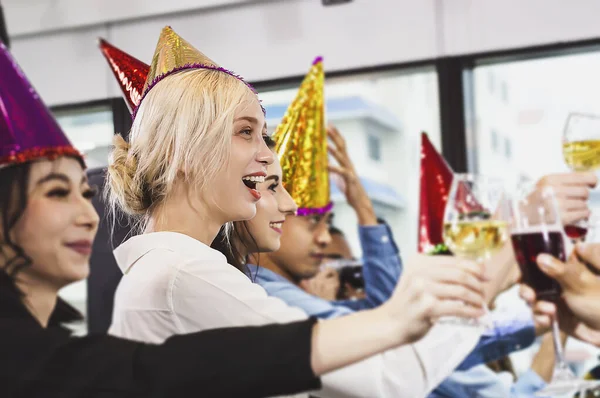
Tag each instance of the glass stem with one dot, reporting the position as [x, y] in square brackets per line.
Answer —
[559, 356]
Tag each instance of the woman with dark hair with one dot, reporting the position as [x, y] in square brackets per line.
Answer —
[47, 225]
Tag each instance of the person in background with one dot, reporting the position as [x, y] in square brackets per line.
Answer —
[338, 256]
[326, 284]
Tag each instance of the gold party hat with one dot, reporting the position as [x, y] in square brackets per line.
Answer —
[174, 54]
[301, 143]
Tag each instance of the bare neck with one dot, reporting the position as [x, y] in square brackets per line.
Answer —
[180, 216]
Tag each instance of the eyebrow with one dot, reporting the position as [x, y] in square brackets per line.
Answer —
[54, 176]
[272, 177]
[250, 119]
[61, 177]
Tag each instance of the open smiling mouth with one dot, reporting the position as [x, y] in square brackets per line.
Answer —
[250, 183]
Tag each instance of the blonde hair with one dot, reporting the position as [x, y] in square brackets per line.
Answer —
[184, 124]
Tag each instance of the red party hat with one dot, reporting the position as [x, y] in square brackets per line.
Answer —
[436, 179]
[130, 72]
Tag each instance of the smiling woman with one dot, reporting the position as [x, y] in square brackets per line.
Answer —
[48, 225]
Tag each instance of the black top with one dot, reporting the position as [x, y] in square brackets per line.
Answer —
[105, 274]
[233, 362]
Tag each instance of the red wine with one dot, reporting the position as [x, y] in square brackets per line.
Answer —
[528, 245]
[575, 232]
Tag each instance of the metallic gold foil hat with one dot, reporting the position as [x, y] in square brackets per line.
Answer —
[301, 143]
[174, 54]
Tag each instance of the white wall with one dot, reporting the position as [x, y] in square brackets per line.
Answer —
[54, 40]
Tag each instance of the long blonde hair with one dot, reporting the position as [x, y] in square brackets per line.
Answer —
[182, 128]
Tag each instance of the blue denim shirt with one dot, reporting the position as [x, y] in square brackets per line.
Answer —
[381, 271]
[382, 268]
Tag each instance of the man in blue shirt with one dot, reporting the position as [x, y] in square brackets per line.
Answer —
[302, 250]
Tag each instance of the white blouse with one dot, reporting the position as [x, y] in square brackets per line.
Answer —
[174, 284]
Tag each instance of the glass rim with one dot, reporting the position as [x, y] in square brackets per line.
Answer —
[587, 115]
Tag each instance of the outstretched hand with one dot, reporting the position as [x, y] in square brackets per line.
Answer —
[350, 184]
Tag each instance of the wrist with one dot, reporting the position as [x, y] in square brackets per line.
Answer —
[366, 214]
[392, 330]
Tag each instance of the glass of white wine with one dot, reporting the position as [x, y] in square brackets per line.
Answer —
[581, 151]
[476, 221]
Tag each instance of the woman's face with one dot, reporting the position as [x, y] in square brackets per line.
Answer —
[271, 210]
[234, 191]
[58, 225]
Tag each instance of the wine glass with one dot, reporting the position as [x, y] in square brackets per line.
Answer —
[475, 222]
[581, 151]
[536, 228]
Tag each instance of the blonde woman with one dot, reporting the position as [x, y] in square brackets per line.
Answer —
[196, 152]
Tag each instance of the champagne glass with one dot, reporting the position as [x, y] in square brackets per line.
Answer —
[475, 221]
[536, 228]
[581, 151]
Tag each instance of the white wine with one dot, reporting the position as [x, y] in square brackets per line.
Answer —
[475, 239]
[582, 155]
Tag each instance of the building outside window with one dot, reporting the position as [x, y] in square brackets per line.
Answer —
[374, 147]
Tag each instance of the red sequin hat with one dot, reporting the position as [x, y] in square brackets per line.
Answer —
[130, 72]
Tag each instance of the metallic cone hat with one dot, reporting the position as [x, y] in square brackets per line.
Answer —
[130, 72]
[436, 179]
[28, 131]
[301, 143]
[174, 54]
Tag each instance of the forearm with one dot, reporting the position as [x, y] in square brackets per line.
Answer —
[411, 370]
[543, 362]
[343, 341]
[205, 362]
[364, 210]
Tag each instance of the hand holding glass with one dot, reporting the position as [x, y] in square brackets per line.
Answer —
[475, 219]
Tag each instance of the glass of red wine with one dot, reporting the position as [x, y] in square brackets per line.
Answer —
[536, 228]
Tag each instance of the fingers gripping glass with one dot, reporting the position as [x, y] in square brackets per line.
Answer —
[537, 228]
